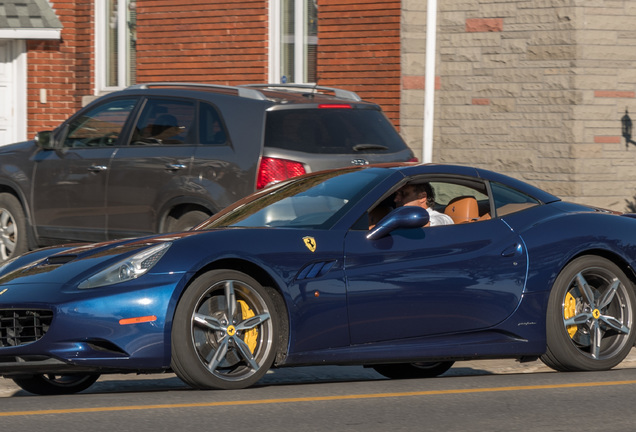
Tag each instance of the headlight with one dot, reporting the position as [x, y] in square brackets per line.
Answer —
[128, 269]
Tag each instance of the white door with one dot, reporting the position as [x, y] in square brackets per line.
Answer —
[12, 92]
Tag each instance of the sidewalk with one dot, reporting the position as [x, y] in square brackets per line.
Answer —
[308, 374]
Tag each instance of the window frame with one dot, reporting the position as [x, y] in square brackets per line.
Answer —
[301, 42]
[124, 64]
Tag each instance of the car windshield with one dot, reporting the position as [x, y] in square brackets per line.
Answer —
[316, 201]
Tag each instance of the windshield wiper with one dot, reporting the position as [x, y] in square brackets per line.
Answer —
[361, 147]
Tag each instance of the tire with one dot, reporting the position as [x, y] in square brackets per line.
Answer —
[225, 332]
[590, 317]
[413, 370]
[186, 221]
[50, 384]
[13, 231]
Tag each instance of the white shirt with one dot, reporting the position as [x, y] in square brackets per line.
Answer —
[438, 218]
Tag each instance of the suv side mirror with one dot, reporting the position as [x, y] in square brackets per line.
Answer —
[401, 217]
[43, 139]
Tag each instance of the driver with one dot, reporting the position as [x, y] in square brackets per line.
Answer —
[422, 195]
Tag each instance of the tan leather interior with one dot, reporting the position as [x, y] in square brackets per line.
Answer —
[463, 209]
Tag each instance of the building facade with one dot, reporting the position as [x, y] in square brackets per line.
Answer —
[533, 88]
[537, 89]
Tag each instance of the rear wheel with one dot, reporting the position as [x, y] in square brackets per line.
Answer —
[590, 316]
[186, 221]
[51, 384]
[13, 240]
[225, 332]
[413, 370]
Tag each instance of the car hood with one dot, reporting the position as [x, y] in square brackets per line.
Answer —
[68, 264]
[17, 147]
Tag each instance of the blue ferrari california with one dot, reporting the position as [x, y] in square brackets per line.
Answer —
[310, 272]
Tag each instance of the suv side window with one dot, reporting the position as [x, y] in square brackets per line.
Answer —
[166, 121]
[100, 126]
[211, 128]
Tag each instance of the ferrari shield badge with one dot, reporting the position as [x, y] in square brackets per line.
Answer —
[310, 242]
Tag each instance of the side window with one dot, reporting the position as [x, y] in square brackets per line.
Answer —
[100, 126]
[448, 201]
[462, 201]
[166, 121]
[509, 200]
[211, 128]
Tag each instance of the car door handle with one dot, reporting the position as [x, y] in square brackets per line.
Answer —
[97, 168]
[514, 250]
[174, 166]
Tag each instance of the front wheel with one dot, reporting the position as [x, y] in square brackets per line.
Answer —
[413, 370]
[225, 332]
[51, 384]
[590, 317]
[13, 240]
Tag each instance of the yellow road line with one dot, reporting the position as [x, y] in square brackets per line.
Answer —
[317, 398]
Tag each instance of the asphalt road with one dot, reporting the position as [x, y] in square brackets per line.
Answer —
[500, 395]
[299, 375]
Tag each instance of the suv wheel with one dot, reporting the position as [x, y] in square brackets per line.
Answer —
[186, 220]
[13, 241]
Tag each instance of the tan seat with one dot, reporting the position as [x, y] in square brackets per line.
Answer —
[463, 209]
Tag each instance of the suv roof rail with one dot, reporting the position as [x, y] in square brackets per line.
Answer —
[242, 91]
[341, 93]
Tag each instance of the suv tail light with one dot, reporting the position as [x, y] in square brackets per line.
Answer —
[273, 170]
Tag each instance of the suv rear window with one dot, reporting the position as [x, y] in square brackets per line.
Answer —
[332, 131]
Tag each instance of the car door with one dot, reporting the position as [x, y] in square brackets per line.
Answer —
[153, 168]
[434, 280]
[69, 192]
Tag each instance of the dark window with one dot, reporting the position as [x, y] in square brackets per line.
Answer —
[100, 126]
[211, 128]
[166, 121]
[332, 131]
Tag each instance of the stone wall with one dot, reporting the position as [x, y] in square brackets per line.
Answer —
[532, 88]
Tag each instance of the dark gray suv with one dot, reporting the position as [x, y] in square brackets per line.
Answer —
[163, 157]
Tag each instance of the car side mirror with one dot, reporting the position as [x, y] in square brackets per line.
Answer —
[401, 217]
[43, 139]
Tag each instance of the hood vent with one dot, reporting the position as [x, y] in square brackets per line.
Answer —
[58, 260]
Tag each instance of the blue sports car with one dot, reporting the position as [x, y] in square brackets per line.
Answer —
[332, 268]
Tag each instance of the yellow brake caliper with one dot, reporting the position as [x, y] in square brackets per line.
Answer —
[250, 337]
[569, 310]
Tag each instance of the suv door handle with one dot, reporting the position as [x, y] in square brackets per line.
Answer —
[174, 166]
[97, 168]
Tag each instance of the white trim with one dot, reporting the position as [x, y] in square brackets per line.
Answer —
[100, 46]
[30, 33]
[273, 74]
[100, 54]
[122, 42]
[299, 41]
[20, 96]
[429, 81]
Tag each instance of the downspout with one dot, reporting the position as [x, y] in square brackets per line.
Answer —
[429, 80]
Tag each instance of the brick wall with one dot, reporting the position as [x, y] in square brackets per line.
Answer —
[530, 88]
[359, 49]
[61, 68]
[224, 42]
